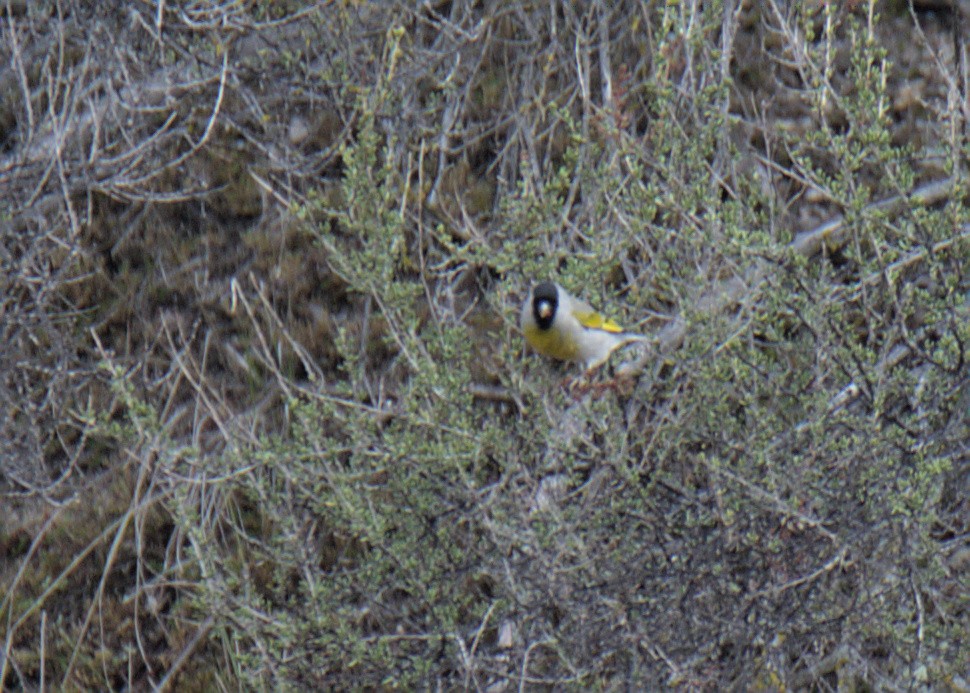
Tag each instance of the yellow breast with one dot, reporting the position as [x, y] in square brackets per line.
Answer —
[551, 343]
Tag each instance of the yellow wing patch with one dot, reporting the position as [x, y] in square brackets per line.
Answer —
[594, 321]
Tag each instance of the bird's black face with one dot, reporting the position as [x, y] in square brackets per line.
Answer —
[545, 300]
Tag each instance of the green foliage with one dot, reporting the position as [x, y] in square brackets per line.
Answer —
[767, 482]
[357, 478]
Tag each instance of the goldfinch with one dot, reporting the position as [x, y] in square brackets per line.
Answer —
[564, 327]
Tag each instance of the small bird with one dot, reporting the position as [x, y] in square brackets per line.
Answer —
[567, 328]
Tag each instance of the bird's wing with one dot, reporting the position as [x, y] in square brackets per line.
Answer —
[592, 320]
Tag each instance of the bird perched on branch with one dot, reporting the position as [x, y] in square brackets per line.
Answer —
[564, 327]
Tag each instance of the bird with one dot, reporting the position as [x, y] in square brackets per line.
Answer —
[566, 328]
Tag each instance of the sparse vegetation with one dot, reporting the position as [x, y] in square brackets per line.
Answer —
[265, 418]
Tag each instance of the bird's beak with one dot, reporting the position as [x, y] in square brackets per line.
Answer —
[545, 309]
